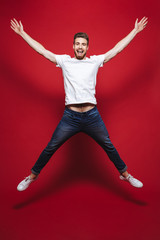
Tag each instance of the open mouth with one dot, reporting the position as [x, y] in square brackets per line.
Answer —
[80, 52]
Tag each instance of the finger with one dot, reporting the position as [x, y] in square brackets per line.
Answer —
[145, 24]
[12, 27]
[21, 24]
[144, 20]
[16, 21]
[12, 21]
[13, 24]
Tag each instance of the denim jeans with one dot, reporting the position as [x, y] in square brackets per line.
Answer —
[72, 122]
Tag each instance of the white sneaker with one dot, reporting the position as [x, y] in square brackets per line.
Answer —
[23, 185]
[133, 181]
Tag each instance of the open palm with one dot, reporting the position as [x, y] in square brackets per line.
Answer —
[139, 26]
[17, 27]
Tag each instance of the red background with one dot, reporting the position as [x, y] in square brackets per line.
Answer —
[79, 195]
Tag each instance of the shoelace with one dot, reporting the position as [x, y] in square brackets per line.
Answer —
[26, 179]
[132, 178]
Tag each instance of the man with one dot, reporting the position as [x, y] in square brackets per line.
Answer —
[81, 114]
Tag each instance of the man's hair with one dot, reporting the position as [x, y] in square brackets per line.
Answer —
[81, 35]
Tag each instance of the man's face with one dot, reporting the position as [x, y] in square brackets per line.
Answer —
[80, 48]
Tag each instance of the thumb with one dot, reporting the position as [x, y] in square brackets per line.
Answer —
[136, 22]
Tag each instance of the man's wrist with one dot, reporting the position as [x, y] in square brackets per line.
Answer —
[135, 31]
[22, 33]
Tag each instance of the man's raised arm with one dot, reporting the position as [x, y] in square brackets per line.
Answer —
[18, 28]
[139, 26]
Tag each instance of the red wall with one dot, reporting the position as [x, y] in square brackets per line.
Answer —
[78, 195]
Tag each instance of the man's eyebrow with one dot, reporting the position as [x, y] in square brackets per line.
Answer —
[82, 43]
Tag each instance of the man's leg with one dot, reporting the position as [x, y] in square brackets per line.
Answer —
[65, 129]
[62, 133]
[96, 128]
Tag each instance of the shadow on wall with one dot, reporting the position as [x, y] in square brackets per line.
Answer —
[81, 162]
[81, 165]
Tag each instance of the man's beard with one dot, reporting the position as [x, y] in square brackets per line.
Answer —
[79, 57]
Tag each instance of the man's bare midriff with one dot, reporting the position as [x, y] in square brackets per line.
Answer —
[83, 107]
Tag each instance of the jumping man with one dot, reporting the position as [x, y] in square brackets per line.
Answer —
[81, 113]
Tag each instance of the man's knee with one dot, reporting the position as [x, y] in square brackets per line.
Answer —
[51, 148]
[108, 144]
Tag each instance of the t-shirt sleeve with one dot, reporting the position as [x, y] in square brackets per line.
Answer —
[100, 60]
[60, 59]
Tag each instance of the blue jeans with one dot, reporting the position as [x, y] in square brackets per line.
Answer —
[72, 122]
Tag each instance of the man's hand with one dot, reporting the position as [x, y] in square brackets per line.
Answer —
[139, 26]
[17, 27]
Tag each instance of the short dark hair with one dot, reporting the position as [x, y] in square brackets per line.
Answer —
[81, 35]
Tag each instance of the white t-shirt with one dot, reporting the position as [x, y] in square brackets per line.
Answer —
[79, 78]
